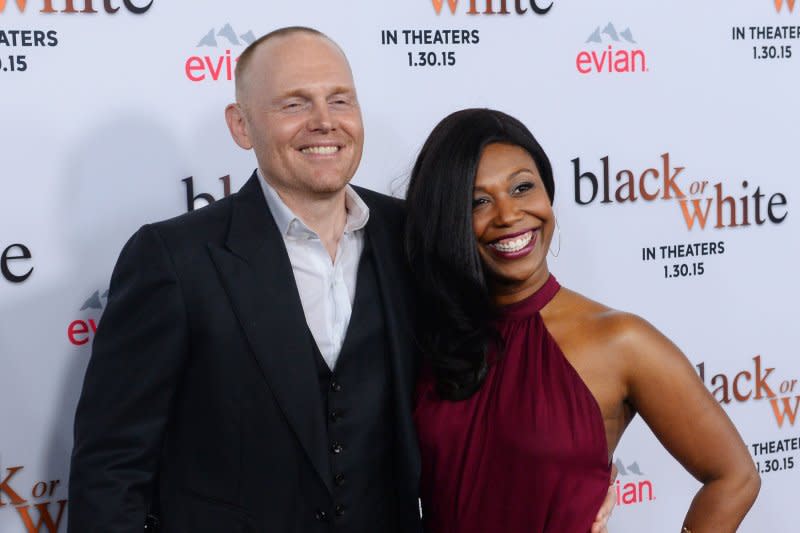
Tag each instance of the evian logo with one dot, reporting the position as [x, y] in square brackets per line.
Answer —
[618, 52]
[779, 5]
[492, 7]
[634, 487]
[217, 66]
[69, 6]
[82, 330]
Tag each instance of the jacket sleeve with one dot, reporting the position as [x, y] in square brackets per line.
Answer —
[138, 354]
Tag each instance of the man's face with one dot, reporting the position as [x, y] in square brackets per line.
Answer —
[302, 116]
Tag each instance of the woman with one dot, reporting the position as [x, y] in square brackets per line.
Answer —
[529, 385]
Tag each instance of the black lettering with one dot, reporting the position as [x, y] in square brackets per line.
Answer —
[109, 8]
[540, 10]
[776, 200]
[585, 176]
[133, 8]
[191, 198]
[757, 196]
[7, 257]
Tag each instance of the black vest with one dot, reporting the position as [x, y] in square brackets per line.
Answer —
[356, 397]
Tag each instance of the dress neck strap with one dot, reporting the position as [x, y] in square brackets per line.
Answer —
[533, 303]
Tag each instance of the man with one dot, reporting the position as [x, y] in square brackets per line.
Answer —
[255, 364]
[224, 383]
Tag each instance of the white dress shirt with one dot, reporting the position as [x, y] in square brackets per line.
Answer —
[327, 289]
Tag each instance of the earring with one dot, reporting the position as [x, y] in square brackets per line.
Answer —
[558, 250]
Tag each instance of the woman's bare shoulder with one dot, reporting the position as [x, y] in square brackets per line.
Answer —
[597, 323]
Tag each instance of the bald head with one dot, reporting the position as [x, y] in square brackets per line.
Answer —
[266, 44]
[296, 107]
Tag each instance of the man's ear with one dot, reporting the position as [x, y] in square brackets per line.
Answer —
[234, 116]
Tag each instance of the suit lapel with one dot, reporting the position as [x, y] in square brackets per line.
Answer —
[257, 275]
[393, 281]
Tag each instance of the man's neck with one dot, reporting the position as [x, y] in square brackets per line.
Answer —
[325, 215]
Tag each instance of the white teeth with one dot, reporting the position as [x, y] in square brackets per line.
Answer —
[320, 150]
[514, 245]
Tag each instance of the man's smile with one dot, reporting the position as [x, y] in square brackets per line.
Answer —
[321, 149]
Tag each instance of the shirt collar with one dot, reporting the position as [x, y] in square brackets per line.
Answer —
[290, 225]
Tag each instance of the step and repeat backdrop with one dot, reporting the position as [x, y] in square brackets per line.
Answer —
[672, 128]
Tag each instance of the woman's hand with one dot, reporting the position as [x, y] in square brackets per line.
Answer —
[600, 524]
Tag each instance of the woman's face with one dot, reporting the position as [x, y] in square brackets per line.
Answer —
[513, 222]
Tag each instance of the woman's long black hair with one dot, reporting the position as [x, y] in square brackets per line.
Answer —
[454, 304]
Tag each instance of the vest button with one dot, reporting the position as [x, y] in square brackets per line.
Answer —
[339, 480]
[320, 515]
[340, 510]
[336, 386]
[335, 414]
[337, 448]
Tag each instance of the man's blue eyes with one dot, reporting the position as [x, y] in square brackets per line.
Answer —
[296, 105]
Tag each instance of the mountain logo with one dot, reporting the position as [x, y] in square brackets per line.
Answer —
[82, 330]
[227, 31]
[611, 32]
[219, 66]
[94, 302]
[620, 52]
[632, 491]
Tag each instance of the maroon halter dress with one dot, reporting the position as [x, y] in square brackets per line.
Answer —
[527, 453]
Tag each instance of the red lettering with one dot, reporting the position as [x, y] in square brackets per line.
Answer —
[437, 5]
[642, 60]
[40, 488]
[622, 63]
[723, 388]
[633, 492]
[761, 380]
[76, 331]
[45, 519]
[602, 60]
[646, 195]
[611, 60]
[210, 65]
[787, 412]
[583, 62]
[194, 64]
[629, 496]
[20, 5]
[15, 498]
[646, 485]
[736, 392]
[669, 179]
[697, 214]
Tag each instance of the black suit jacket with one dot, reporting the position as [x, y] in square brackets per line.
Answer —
[200, 380]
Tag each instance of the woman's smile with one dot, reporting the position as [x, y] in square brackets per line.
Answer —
[515, 245]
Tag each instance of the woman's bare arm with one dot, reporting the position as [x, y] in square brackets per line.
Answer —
[666, 391]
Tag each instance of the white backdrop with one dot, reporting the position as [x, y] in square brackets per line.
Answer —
[104, 117]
